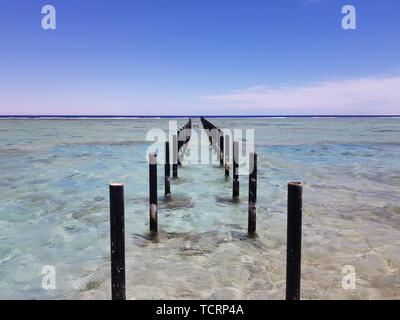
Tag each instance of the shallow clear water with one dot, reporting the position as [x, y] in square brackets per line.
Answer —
[54, 210]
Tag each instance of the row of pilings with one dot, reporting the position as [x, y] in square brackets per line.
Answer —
[220, 144]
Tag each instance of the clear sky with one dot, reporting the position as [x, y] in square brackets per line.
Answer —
[159, 57]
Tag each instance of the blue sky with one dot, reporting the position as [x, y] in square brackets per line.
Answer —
[161, 57]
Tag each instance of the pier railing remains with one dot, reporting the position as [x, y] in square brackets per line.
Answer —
[220, 144]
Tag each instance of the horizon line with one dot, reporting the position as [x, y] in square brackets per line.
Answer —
[197, 116]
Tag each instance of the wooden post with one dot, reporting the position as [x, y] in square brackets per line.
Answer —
[153, 191]
[226, 156]
[167, 171]
[235, 169]
[174, 156]
[293, 251]
[180, 145]
[252, 192]
[221, 149]
[117, 241]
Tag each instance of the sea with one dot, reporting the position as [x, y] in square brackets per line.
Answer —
[54, 209]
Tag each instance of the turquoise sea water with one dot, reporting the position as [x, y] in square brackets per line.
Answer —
[54, 210]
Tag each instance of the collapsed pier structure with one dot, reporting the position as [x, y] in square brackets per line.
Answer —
[220, 144]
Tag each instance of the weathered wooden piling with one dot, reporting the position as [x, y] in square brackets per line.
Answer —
[180, 145]
[226, 155]
[153, 191]
[167, 171]
[221, 149]
[117, 241]
[252, 192]
[293, 253]
[175, 156]
[235, 169]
